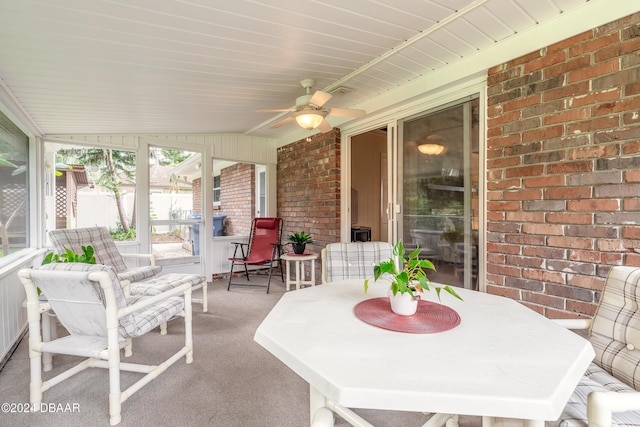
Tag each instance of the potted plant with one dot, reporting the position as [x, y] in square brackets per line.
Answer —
[299, 240]
[407, 277]
[87, 256]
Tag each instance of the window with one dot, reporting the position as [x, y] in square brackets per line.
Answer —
[216, 189]
[93, 186]
[14, 188]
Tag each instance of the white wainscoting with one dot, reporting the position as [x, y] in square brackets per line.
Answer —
[13, 317]
[223, 248]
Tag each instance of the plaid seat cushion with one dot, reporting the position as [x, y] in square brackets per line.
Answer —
[165, 282]
[355, 260]
[150, 317]
[137, 274]
[595, 379]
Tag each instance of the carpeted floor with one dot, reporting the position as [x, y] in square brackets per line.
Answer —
[232, 381]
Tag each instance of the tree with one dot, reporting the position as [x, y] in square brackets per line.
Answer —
[167, 156]
[115, 167]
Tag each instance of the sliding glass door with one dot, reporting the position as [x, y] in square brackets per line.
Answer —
[438, 168]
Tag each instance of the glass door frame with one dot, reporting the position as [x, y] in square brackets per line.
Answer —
[189, 264]
[472, 88]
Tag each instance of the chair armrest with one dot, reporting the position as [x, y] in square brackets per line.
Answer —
[573, 323]
[150, 257]
[602, 404]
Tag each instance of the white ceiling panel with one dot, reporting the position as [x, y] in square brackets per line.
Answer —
[187, 66]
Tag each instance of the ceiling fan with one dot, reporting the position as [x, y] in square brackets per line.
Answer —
[309, 112]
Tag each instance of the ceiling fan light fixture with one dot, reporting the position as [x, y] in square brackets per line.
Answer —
[431, 149]
[309, 119]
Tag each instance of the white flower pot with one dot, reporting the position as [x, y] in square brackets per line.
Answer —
[403, 304]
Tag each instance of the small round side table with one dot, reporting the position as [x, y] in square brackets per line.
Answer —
[300, 276]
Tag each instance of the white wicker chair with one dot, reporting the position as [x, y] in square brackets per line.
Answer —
[609, 392]
[353, 260]
[90, 303]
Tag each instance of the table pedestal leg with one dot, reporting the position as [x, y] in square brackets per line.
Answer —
[453, 421]
[298, 274]
[438, 420]
[510, 422]
[488, 421]
[319, 414]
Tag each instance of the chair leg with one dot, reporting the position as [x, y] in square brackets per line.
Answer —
[115, 394]
[188, 327]
[35, 360]
[270, 271]
[246, 271]
[49, 333]
[230, 275]
[128, 348]
[205, 302]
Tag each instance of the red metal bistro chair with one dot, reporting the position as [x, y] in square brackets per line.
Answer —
[263, 250]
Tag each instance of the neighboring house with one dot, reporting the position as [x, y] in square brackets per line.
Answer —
[68, 181]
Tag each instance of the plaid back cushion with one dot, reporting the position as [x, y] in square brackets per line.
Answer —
[355, 260]
[615, 331]
[104, 247]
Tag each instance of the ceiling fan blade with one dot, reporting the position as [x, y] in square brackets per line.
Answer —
[324, 126]
[280, 110]
[345, 112]
[283, 122]
[320, 98]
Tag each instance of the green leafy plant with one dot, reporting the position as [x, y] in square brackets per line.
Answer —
[119, 232]
[87, 256]
[407, 274]
[300, 237]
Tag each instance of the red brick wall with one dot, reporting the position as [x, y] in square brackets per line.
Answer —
[237, 198]
[563, 169]
[196, 191]
[309, 189]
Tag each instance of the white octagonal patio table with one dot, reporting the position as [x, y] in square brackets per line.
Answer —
[502, 361]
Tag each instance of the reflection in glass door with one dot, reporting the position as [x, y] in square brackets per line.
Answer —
[439, 191]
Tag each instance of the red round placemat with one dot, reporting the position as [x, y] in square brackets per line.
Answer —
[430, 317]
